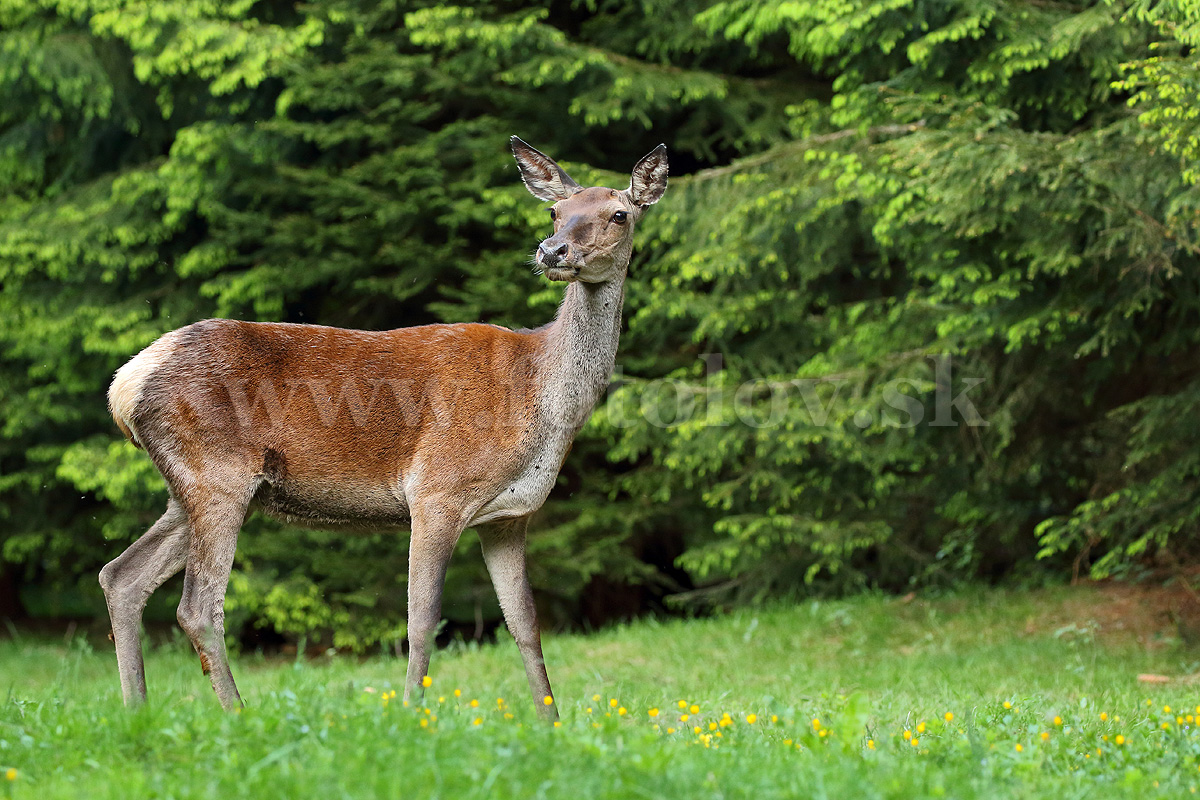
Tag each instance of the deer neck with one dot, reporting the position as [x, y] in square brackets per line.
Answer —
[579, 351]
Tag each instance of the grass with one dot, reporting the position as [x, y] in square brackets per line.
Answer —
[985, 694]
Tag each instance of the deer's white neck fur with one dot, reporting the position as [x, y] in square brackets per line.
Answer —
[579, 351]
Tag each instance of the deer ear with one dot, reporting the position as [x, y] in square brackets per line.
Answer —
[545, 179]
[649, 180]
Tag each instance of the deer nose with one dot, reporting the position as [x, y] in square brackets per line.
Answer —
[552, 254]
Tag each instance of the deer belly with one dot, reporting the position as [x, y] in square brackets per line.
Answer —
[342, 505]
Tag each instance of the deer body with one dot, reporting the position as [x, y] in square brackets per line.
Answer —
[436, 427]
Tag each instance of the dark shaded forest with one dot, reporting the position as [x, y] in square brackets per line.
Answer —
[919, 308]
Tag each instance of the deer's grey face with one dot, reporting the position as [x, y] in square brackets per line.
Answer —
[593, 228]
[593, 236]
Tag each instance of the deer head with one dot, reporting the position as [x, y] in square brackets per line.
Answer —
[593, 228]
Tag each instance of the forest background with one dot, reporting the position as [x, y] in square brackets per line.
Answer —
[920, 306]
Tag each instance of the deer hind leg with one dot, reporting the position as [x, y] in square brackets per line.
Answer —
[215, 524]
[435, 531]
[129, 580]
[504, 553]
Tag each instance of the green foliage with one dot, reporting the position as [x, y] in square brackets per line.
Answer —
[922, 307]
[964, 322]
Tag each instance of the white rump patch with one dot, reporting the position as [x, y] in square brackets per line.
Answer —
[126, 389]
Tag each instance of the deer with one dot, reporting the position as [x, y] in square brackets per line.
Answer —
[435, 428]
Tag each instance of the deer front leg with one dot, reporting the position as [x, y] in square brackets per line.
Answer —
[434, 534]
[504, 553]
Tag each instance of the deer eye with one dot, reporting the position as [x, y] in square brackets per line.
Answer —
[620, 217]
[553, 216]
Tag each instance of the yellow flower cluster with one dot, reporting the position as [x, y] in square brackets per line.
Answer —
[711, 728]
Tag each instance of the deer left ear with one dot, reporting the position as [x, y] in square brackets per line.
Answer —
[649, 180]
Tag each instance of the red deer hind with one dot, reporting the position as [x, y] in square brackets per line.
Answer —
[446, 426]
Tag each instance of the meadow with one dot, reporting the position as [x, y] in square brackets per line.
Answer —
[986, 693]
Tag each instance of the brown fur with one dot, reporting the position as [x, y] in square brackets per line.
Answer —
[334, 419]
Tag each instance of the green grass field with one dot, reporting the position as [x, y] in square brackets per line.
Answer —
[983, 694]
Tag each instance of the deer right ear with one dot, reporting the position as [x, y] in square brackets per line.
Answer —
[649, 181]
[545, 179]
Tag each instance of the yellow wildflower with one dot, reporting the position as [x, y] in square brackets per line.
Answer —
[1045, 736]
[684, 717]
[458, 692]
[920, 727]
[816, 723]
[547, 700]
[474, 704]
[1103, 716]
[1007, 704]
[478, 721]
[907, 735]
[11, 774]
[1120, 739]
[915, 741]
[751, 719]
[653, 712]
[774, 718]
[622, 711]
[949, 716]
[682, 704]
[696, 730]
[712, 726]
[557, 724]
[1058, 720]
[427, 681]
[870, 744]
[1018, 748]
[612, 702]
[695, 709]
